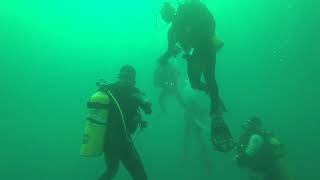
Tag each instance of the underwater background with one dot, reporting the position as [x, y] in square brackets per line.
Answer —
[53, 52]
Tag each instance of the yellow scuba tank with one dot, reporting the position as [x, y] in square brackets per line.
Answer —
[95, 125]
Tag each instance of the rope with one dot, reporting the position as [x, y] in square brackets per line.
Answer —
[122, 117]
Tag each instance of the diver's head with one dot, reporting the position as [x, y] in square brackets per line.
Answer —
[127, 75]
[168, 12]
[253, 123]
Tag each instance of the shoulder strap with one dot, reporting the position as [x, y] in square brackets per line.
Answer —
[94, 105]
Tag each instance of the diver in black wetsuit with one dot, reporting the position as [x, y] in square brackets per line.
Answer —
[193, 28]
[119, 146]
[261, 153]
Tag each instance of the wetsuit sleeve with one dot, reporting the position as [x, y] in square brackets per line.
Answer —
[171, 45]
[255, 144]
[171, 39]
[145, 105]
[142, 102]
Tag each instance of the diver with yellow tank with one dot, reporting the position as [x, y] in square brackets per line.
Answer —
[114, 115]
[193, 30]
[261, 152]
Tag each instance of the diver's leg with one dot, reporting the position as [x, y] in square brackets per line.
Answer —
[220, 134]
[112, 162]
[195, 69]
[217, 106]
[132, 162]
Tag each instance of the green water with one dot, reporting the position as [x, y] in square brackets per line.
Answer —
[53, 52]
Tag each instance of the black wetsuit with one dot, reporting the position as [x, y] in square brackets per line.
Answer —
[118, 144]
[265, 158]
[267, 163]
[194, 28]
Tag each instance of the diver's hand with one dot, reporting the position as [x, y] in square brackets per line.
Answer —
[188, 54]
[175, 51]
[144, 124]
[146, 107]
[186, 57]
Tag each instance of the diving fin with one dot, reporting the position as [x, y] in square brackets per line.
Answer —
[221, 137]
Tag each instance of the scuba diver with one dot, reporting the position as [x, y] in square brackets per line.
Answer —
[114, 117]
[193, 29]
[166, 78]
[261, 152]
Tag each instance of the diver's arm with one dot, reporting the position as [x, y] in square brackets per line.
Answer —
[146, 107]
[172, 49]
[245, 155]
[255, 144]
[143, 104]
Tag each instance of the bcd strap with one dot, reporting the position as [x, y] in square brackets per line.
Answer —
[93, 105]
[95, 121]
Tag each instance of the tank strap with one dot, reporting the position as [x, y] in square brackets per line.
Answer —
[93, 105]
[95, 121]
